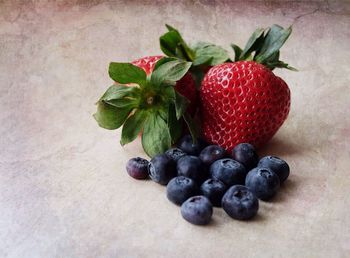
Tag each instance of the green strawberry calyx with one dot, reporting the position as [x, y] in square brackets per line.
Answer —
[201, 54]
[147, 105]
[264, 46]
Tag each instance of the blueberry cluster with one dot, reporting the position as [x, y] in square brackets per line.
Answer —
[199, 176]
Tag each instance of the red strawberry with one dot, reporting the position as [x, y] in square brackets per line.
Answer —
[147, 63]
[244, 101]
[185, 86]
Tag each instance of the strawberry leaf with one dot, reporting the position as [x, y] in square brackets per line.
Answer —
[169, 93]
[253, 44]
[123, 103]
[118, 91]
[265, 45]
[172, 44]
[183, 48]
[169, 42]
[156, 136]
[111, 117]
[133, 126]
[280, 64]
[273, 41]
[125, 73]
[174, 125]
[181, 104]
[170, 28]
[238, 51]
[198, 73]
[121, 96]
[163, 61]
[171, 71]
[194, 131]
[209, 54]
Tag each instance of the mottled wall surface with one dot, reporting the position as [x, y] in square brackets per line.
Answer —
[63, 188]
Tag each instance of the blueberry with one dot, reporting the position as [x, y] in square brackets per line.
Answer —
[263, 182]
[137, 168]
[240, 203]
[175, 154]
[228, 171]
[212, 153]
[213, 189]
[180, 188]
[161, 169]
[186, 144]
[245, 153]
[277, 165]
[192, 167]
[197, 210]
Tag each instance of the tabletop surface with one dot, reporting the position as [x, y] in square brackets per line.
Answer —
[64, 191]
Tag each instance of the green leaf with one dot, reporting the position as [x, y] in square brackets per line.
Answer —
[174, 125]
[125, 73]
[181, 104]
[170, 28]
[124, 102]
[133, 126]
[198, 73]
[280, 64]
[121, 96]
[156, 136]
[172, 44]
[238, 51]
[254, 42]
[265, 45]
[163, 112]
[273, 41]
[186, 51]
[169, 93]
[118, 91]
[110, 117]
[274, 57]
[163, 61]
[194, 131]
[210, 54]
[170, 71]
[169, 42]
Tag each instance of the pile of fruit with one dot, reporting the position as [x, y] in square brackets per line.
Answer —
[234, 104]
[199, 176]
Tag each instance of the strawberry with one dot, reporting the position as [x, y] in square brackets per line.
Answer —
[244, 101]
[185, 86]
[155, 96]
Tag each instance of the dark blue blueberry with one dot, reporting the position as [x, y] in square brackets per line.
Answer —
[192, 167]
[186, 144]
[180, 188]
[213, 189]
[263, 182]
[228, 171]
[245, 154]
[240, 203]
[212, 153]
[161, 169]
[277, 165]
[197, 210]
[175, 153]
[137, 168]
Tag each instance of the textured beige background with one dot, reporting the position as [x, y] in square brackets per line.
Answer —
[63, 188]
